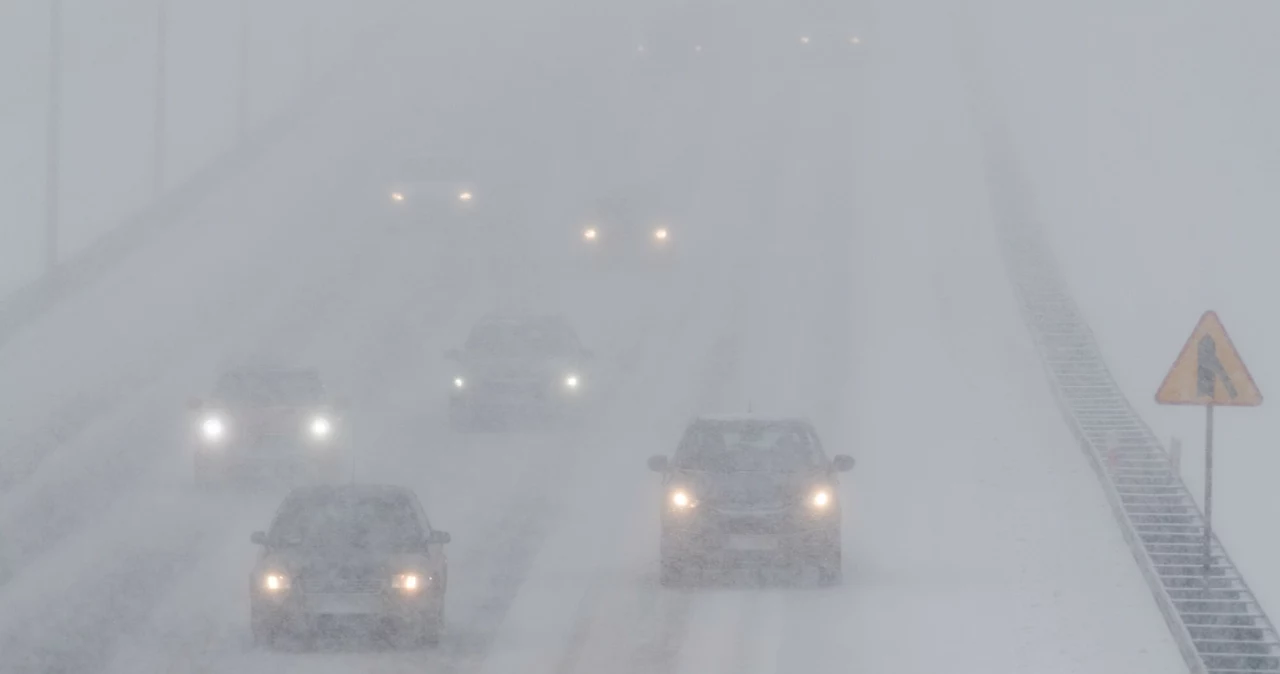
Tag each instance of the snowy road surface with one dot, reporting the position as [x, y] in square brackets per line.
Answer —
[854, 279]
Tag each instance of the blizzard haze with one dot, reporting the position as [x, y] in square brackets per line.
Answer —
[497, 255]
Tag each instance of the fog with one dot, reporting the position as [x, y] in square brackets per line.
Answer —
[743, 211]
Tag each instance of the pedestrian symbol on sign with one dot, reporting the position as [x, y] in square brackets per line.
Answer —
[1209, 370]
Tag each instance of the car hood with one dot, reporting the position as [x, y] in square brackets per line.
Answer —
[340, 562]
[746, 491]
[515, 367]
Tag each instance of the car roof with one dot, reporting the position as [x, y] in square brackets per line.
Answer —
[354, 490]
[521, 319]
[750, 418]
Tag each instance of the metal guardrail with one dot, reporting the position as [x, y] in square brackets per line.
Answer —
[1218, 623]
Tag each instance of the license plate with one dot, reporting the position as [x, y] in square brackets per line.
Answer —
[343, 604]
[752, 543]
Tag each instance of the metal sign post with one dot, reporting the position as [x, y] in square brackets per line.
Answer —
[1208, 492]
[1209, 372]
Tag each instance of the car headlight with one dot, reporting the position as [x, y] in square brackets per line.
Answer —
[590, 234]
[661, 234]
[464, 196]
[571, 381]
[820, 499]
[213, 428]
[320, 427]
[397, 196]
[459, 382]
[681, 499]
[275, 582]
[409, 583]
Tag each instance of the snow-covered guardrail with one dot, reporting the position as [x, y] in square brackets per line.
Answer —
[1218, 623]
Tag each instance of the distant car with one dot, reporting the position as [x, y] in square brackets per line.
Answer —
[267, 421]
[431, 188]
[629, 229]
[820, 32]
[518, 366]
[349, 557]
[750, 491]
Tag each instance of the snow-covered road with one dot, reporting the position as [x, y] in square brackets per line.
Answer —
[855, 280]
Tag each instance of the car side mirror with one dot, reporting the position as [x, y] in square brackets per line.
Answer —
[258, 538]
[437, 537]
[842, 463]
[658, 463]
[453, 354]
[194, 404]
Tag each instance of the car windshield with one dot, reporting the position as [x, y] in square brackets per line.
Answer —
[282, 387]
[348, 521]
[543, 338]
[430, 169]
[749, 447]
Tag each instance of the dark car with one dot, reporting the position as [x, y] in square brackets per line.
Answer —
[430, 189]
[267, 420]
[349, 558]
[824, 33]
[518, 366]
[628, 229]
[750, 491]
[682, 40]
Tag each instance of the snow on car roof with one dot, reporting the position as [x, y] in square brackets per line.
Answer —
[750, 417]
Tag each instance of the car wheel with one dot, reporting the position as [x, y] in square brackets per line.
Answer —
[426, 631]
[831, 569]
[674, 570]
[264, 631]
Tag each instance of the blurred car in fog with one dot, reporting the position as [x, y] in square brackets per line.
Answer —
[430, 188]
[746, 491]
[516, 367]
[627, 230]
[680, 39]
[349, 558]
[267, 421]
[819, 33]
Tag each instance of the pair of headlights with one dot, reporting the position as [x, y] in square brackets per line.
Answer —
[854, 40]
[463, 196]
[591, 234]
[570, 381]
[683, 500]
[407, 583]
[214, 428]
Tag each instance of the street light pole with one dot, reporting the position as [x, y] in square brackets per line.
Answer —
[53, 139]
[161, 93]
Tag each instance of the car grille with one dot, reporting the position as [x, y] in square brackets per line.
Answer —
[272, 429]
[322, 585]
[770, 523]
[511, 389]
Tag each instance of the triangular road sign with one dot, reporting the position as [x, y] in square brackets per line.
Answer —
[1209, 371]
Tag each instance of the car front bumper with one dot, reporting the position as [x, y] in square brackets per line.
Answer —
[721, 544]
[300, 612]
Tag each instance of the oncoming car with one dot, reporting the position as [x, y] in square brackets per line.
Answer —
[431, 188]
[750, 491]
[518, 366]
[269, 420]
[630, 229]
[349, 558]
[820, 33]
